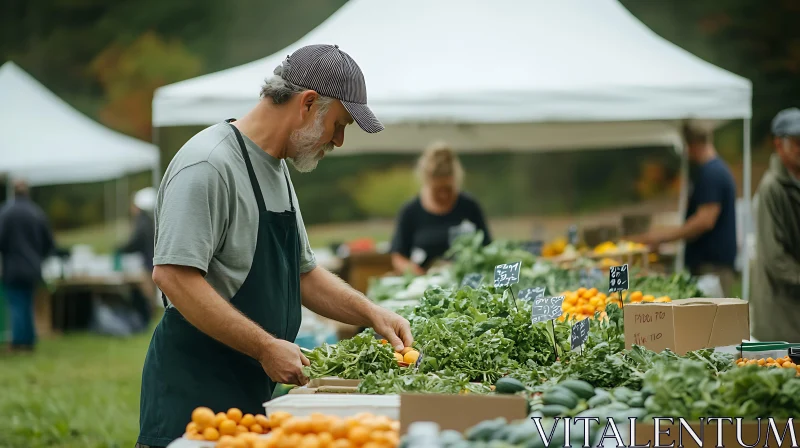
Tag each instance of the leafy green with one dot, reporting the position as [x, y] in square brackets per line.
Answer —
[351, 358]
[396, 382]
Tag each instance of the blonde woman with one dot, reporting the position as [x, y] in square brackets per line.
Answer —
[427, 224]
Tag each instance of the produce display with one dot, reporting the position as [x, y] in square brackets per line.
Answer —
[482, 341]
[208, 426]
[584, 303]
[785, 362]
[318, 431]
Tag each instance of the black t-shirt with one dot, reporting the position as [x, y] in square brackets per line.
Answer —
[421, 235]
[712, 182]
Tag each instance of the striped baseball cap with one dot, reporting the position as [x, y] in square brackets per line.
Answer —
[331, 72]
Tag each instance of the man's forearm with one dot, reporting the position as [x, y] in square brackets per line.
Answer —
[204, 308]
[329, 296]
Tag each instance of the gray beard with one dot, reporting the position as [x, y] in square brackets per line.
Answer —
[304, 141]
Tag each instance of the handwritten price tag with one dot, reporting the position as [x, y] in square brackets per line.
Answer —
[531, 294]
[546, 308]
[506, 274]
[472, 280]
[618, 278]
[579, 334]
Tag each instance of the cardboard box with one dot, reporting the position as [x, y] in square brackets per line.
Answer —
[752, 434]
[686, 325]
[459, 412]
[328, 385]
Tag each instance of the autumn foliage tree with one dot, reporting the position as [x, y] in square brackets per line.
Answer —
[130, 74]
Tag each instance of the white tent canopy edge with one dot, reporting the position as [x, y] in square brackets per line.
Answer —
[47, 142]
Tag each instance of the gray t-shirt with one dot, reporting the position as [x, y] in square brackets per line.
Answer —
[206, 214]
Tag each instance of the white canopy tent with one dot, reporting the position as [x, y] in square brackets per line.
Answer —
[47, 142]
[507, 75]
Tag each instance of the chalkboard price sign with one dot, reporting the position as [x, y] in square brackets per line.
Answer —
[618, 278]
[546, 308]
[506, 274]
[531, 294]
[534, 247]
[579, 334]
[572, 235]
[472, 280]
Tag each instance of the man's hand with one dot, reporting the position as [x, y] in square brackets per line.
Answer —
[392, 327]
[283, 362]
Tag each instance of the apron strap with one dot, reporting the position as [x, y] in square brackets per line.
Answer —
[250, 171]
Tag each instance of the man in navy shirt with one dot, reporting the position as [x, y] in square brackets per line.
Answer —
[710, 226]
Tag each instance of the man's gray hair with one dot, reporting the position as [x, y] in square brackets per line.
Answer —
[281, 90]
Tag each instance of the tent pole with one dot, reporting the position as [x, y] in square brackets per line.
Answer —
[683, 201]
[109, 208]
[747, 211]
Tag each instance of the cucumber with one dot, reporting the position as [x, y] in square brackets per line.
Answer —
[599, 400]
[523, 433]
[617, 406]
[560, 395]
[622, 394]
[636, 402]
[508, 385]
[580, 388]
[554, 410]
[485, 430]
[637, 413]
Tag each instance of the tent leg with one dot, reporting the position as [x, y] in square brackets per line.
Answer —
[683, 202]
[747, 211]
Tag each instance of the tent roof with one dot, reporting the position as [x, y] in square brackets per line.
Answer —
[455, 62]
[45, 141]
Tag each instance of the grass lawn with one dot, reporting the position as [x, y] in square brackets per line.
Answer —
[78, 390]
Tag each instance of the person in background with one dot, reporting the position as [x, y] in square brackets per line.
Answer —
[427, 224]
[142, 241]
[775, 298]
[710, 226]
[25, 241]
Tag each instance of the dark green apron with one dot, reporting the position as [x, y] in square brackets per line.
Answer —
[185, 368]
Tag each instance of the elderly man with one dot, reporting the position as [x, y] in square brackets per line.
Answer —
[710, 226]
[775, 298]
[232, 254]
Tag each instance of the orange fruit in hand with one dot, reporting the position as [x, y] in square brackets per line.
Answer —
[235, 415]
[411, 357]
[204, 417]
[248, 420]
[211, 434]
[398, 357]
